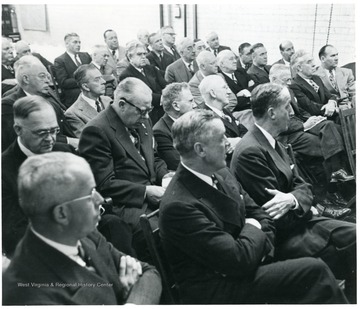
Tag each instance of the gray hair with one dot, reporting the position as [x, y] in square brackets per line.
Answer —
[23, 67]
[171, 93]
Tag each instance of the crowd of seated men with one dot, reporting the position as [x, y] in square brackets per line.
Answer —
[88, 139]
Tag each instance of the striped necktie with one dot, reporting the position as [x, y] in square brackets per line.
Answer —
[332, 79]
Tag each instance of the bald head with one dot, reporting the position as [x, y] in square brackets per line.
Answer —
[100, 54]
[280, 74]
[227, 61]
[186, 49]
[286, 50]
[212, 39]
[143, 36]
[22, 48]
[215, 91]
[7, 52]
[207, 62]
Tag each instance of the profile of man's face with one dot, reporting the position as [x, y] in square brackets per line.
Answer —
[38, 79]
[111, 40]
[7, 52]
[73, 44]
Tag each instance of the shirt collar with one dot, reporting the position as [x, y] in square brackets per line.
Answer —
[186, 63]
[26, 151]
[286, 63]
[203, 177]
[90, 101]
[267, 135]
[168, 49]
[95, 64]
[229, 74]
[216, 111]
[69, 251]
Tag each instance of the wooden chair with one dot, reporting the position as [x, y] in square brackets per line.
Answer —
[170, 294]
[347, 121]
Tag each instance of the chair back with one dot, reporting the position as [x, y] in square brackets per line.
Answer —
[347, 121]
[170, 294]
[53, 79]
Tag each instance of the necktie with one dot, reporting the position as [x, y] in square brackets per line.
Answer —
[279, 150]
[160, 57]
[77, 60]
[10, 68]
[228, 118]
[215, 182]
[190, 69]
[99, 106]
[314, 85]
[135, 138]
[82, 255]
[173, 50]
[332, 79]
[142, 72]
[215, 52]
[113, 52]
[102, 69]
[247, 66]
[234, 78]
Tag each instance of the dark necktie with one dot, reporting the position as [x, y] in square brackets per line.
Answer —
[160, 57]
[215, 52]
[216, 184]
[102, 69]
[234, 78]
[85, 258]
[247, 66]
[332, 79]
[135, 138]
[279, 150]
[10, 68]
[228, 118]
[78, 63]
[99, 106]
[113, 52]
[190, 69]
[314, 85]
[174, 51]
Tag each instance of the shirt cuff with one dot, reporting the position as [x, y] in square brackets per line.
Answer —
[296, 206]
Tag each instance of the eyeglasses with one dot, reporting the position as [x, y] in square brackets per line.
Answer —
[141, 112]
[44, 133]
[170, 33]
[95, 196]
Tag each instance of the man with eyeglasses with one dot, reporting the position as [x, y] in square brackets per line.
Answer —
[36, 128]
[168, 36]
[119, 145]
[151, 76]
[62, 259]
[183, 69]
[33, 79]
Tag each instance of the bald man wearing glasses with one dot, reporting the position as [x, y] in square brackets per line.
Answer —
[62, 259]
[119, 146]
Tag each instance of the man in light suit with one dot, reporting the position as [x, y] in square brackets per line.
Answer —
[339, 81]
[91, 100]
[65, 66]
[157, 57]
[150, 75]
[119, 145]
[215, 236]
[259, 70]
[176, 100]
[261, 164]
[212, 39]
[117, 52]
[183, 69]
[62, 259]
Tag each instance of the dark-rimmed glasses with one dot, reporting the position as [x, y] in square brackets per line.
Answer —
[44, 133]
[141, 112]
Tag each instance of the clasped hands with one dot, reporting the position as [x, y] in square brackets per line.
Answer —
[129, 273]
[280, 204]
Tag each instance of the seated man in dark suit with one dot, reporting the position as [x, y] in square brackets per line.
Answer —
[36, 128]
[157, 57]
[168, 36]
[118, 143]
[245, 59]
[217, 239]
[261, 164]
[315, 136]
[65, 66]
[176, 100]
[33, 79]
[22, 48]
[62, 259]
[212, 39]
[183, 69]
[8, 80]
[239, 82]
[91, 100]
[310, 92]
[286, 51]
[151, 76]
[259, 70]
[215, 92]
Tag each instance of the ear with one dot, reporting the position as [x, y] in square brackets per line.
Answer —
[212, 93]
[175, 105]
[271, 112]
[25, 79]
[17, 129]
[199, 150]
[85, 86]
[61, 214]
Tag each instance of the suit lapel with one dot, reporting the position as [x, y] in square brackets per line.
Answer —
[230, 125]
[223, 206]
[306, 85]
[146, 146]
[70, 63]
[122, 135]
[281, 163]
[86, 109]
[168, 121]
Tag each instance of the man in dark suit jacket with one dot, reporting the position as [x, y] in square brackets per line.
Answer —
[259, 70]
[216, 237]
[183, 69]
[151, 76]
[63, 260]
[119, 146]
[286, 51]
[168, 38]
[65, 66]
[176, 101]
[33, 79]
[239, 82]
[309, 89]
[157, 57]
[245, 59]
[266, 172]
[7, 70]
[212, 39]
[42, 118]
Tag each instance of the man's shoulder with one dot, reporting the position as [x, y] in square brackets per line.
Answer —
[280, 61]
[63, 147]
[176, 64]
[196, 79]
[62, 57]
[12, 97]
[162, 125]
